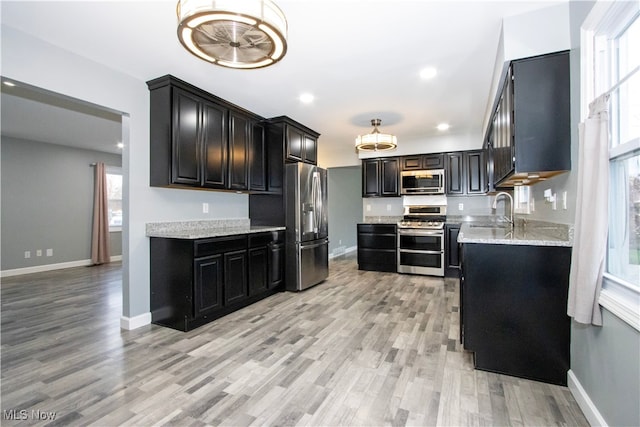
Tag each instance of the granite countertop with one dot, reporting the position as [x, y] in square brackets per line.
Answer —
[381, 220]
[205, 229]
[533, 233]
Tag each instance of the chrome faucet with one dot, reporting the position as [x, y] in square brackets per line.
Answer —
[495, 205]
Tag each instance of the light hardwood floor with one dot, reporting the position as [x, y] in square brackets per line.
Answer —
[362, 348]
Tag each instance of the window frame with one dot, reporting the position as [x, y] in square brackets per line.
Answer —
[617, 295]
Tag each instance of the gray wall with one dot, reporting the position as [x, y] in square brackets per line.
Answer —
[47, 202]
[345, 206]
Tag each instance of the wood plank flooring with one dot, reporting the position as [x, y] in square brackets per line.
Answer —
[360, 349]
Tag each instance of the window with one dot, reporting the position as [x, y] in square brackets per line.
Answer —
[611, 64]
[114, 198]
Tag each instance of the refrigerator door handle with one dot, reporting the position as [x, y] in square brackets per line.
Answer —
[315, 245]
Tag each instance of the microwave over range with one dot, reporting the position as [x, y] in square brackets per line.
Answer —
[422, 182]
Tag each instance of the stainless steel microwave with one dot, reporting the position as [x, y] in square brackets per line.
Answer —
[422, 182]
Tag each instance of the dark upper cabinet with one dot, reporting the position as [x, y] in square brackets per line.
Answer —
[422, 161]
[381, 177]
[465, 172]
[185, 150]
[258, 159]
[300, 143]
[529, 137]
[239, 143]
[198, 139]
[215, 149]
[476, 173]
[454, 179]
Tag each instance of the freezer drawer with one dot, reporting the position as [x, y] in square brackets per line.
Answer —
[307, 264]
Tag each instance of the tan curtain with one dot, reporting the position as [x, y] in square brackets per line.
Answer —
[100, 234]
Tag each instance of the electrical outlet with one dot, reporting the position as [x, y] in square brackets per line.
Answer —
[564, 200]
[460, 206]
[38, 252]
[368, 208]
[49, 252]
[388, 208]
[339, 242]
[205, 208]
[27, 254]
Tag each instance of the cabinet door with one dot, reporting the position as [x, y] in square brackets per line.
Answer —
[276, 265]
[235, 276]
[239, 139]
[310, 149]
[214, 145]
[451, 246]
[455, 174]
[389, 185]
[432, 161]
[258, 160]
[475, 169]
[185, 164]
[294, 142]
[411, 163]
[370, 178]
[258, 270]
[207, 285]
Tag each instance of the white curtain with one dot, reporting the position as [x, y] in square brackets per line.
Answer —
[591, 221]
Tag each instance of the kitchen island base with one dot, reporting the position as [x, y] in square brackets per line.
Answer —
[513, 309]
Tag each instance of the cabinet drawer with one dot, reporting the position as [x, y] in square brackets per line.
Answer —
[206, 247]
[260, 239]
[377, 241]
[377, 256]
[377, 228]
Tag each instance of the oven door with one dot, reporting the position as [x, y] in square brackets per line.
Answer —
[421, 252]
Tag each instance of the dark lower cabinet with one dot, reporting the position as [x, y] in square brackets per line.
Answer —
[513, 309]
[377, 247]
[235, 277]
[196, 281]
[451, 253]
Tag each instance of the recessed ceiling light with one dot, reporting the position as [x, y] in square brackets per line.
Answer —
[8, 83]
[306, 98]
[428, 73]
[120, 145]
[443, 126]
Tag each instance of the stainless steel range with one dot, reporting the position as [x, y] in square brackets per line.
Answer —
[421, 239]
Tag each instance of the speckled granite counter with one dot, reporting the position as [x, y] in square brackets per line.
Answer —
[381, 219]
[532, 233]
[205, 229]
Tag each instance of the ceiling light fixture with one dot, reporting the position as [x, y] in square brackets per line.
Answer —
[376, 141]
[428, 73]
[231, 33]
[443, 126]
[306, 98]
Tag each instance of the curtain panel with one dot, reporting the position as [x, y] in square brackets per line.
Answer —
[100, 253]
[592, 216]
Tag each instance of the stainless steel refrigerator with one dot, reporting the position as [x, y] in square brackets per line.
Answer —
[307, 252]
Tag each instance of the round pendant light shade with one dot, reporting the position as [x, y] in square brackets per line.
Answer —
[233, 33]
[376, 141]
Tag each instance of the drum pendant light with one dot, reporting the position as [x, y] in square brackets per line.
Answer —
[233, 33]
[376, 141]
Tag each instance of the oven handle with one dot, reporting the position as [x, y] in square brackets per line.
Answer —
[414, 232]
[413, 251]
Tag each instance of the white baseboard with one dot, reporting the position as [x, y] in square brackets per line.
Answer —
[51, 267]
[130, 323]
[584, 401]
[339, 253]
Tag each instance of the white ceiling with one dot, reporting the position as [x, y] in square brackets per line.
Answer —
[361, 59]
